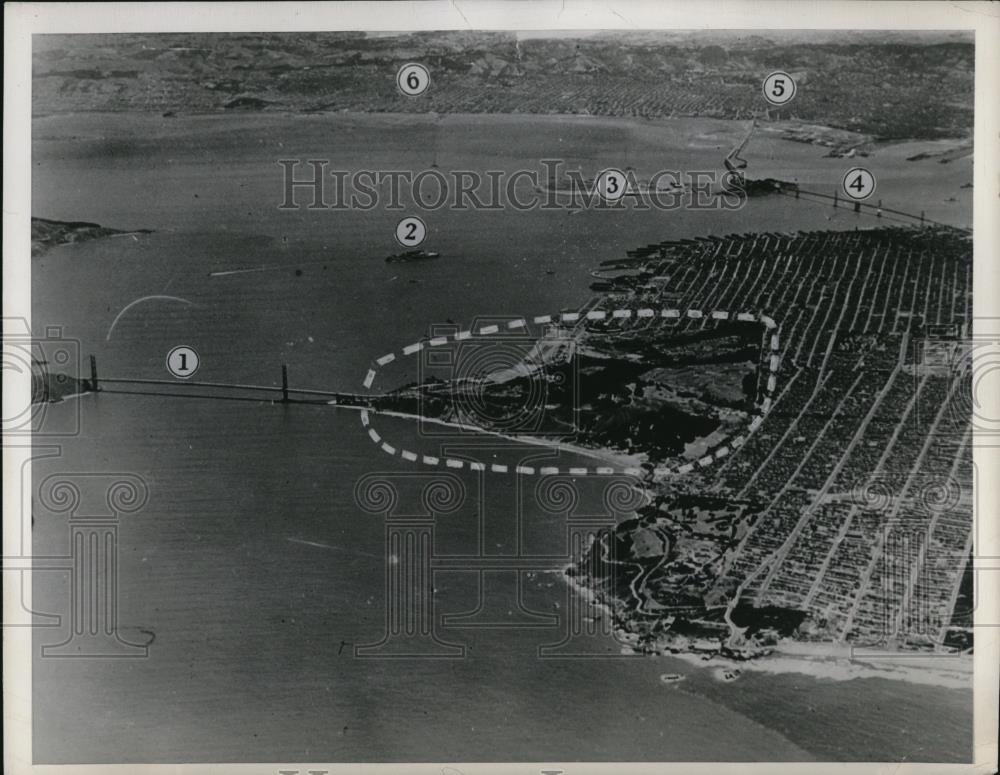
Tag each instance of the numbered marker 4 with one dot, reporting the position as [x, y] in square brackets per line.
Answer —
[859, 183]
[183, 361]
[779, 88]
[410, 231]
[413, 79]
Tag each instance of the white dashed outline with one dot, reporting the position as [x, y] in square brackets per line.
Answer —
[726, 448]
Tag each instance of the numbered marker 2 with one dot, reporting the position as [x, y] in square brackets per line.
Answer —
[779, 88]
[183, 361]
[859, 183]
[413, 79]
[410, 232]
[611, 184]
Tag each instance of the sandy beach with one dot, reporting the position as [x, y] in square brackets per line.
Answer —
[619, 459]
[835, 662]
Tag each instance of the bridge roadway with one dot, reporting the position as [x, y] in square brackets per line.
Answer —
[228, 391]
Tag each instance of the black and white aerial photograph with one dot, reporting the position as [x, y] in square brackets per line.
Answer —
[452, 388]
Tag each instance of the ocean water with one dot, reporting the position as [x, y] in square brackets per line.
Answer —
[253, 562]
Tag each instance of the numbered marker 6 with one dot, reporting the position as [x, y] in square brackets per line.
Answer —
[413, 79]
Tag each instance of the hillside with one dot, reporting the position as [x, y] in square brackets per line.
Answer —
[892, 86]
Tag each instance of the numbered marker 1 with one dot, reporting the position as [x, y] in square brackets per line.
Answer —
[859, 183]
[410, 232]
[183, 361]
[413, 79]
[611, 185]
[779, 88]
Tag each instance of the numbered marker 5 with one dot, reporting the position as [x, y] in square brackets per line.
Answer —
[611, 184]
[413, 79]
[779, 88]
[183, 361]
[859, 183]
[410, 232]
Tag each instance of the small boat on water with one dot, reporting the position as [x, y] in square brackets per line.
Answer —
[411, 255]
[672, 678]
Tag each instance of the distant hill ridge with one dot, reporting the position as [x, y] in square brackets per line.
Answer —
[888, 85]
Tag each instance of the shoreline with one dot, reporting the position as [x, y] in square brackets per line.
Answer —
[783, 128]
[819, 660]
[603, 455]
[837, 664]
[827, 660]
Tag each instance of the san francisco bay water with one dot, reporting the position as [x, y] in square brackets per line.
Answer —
[253, 564]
